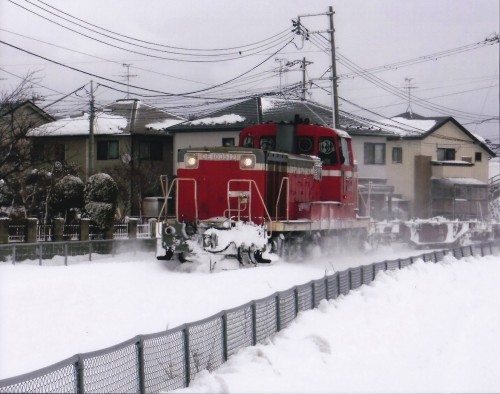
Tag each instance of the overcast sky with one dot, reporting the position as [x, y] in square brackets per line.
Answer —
[369, 33]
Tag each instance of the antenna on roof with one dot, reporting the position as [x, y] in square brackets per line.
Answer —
[409, 87]
[127, 77]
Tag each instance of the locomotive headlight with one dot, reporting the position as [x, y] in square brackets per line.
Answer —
[247, 162]
[191, 160]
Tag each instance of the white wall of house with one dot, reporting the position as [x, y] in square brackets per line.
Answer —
[200, 139]
[450, 136]
[401, 174]
[368, 170]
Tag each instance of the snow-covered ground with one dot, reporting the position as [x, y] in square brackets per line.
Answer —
[427, 328]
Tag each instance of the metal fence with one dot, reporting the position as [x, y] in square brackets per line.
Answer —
[40, 251]
[171, 359]
[44, 233]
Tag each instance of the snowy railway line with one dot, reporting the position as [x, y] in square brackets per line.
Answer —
[56, 298]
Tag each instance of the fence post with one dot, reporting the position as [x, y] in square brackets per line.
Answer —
[187, 359]
[14, 254]
[109, 232]
[224, 335]
[152, 228]
[66, 253]
[58, 229]
[140, 355]
[326, 287]
[84, 229]
[4, 230]
[132, 228]
[296, 301]
[39, 248]
[278, 314]
[31, 227]
[80, 386]
[313, 287]
[253, 308]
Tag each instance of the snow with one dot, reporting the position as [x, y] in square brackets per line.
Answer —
[164, 124]
[427, 328]
[414, 126]
[223, 119]
[105, 123]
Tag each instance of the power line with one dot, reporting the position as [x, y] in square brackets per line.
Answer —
[163, 45]
[141, 88]
[234, 56]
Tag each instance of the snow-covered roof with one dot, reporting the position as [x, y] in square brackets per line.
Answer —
[217, 120]
[460, 181]
[105, 123]
[406, 127]
[122, 116]
[164, 124]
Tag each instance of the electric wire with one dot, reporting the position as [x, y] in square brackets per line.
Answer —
[163, 45]
[142, 88]
[234, 56]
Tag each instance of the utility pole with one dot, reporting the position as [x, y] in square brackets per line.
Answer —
[280, 60]
[335, 97]
[304, 32]
[303, 67]
[90, 171]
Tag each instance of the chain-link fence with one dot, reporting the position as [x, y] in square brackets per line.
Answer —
[70, 250]
[170, 359]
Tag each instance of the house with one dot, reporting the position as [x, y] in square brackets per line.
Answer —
[127, 144]
[434, 166]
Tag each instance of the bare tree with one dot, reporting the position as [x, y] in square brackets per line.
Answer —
[19, 114]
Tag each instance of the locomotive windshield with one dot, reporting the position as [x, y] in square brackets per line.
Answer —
[326, 151]
[344, 152]
[248, 142]
[305, 145]
[267, 143]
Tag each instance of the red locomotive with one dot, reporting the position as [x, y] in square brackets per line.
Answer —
[284, 184]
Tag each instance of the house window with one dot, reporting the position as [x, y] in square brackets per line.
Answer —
[478, 156]
[49, 152]
[38, 152]
[228, 142]
[444, 154]
[397, 155]
[60, 152]
[374, 153]
[107, 150]
[150, 150]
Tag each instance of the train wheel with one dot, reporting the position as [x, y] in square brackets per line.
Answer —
[244, 256]
[184, 257]
[168, 255]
